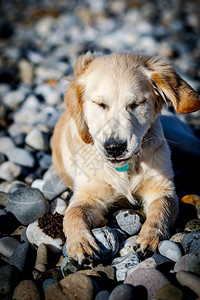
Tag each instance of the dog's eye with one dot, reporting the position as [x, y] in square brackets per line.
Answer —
[134, 105]
[104, 106]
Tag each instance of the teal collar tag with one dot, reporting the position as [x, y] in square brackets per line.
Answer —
[123, 169]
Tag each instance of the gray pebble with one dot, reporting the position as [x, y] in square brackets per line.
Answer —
[170, 250]
[19, 258]
[191, 242]
[5, 144]
[122, 291]
[189, 262]
[53, 187]
[21, 157]
[123, 264]
[8, 245]
[9, 276]
[107, 240]
[45, 160]
[190, 280]
[102, 295]
[27, 205]
[129, 221]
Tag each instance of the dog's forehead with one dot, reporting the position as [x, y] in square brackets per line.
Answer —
[111, 80]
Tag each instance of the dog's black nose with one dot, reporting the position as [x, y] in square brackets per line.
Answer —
[114, 147]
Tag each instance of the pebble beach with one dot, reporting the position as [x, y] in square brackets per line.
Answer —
[39, 44]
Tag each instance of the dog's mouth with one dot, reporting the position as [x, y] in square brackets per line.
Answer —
[120, 161]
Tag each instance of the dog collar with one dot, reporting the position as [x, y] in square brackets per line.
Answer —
[123, 169]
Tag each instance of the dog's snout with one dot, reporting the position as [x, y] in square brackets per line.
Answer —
[114, 147]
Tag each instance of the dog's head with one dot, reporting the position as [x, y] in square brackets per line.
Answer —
[115, 99]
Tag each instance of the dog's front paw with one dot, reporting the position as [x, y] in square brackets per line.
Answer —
[149, 238]
[82, 246]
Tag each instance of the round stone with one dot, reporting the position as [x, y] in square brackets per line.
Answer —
[27, 205]
[190, 280]
[129, 221]
[26, 289]
[5, 144]
[191, 242]
[102, 295]
[170, 250]
[107, 240]
[9, 171]
[37, 140]
[9, 277]
[151, 279]
[21, 157]
[177, 238]
[123, 291]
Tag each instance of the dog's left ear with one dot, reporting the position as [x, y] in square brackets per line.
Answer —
[171, 86]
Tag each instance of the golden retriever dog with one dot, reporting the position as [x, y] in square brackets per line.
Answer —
[109, 145]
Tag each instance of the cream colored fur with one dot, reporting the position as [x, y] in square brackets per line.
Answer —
[118, 97]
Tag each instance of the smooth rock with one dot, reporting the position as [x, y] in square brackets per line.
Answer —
[48, 282]
[193, 225]
[5, 144]
[191, 242]
[129, 221]
[107, 240]
[151, 279]
[8, 245]
[27, 205]
[126, 246]
[26, 290]
[37, 184]
[177, 238]
[189, 262]
[44, 159]
[21, 157]
[42, 255]
[75, 285]
[170, 250]
[190, 280]
[9, 276]
[37, 140]
[69, 266]
[26, 71]
[14, 98]
[148, 263]
[169, 292]
[3, 198]
[122, 291]
[16, 185]
[9, 171]
[102, 295]
[20, 257]
[49, 93]
[123, 264]
[53, 187]
[36, 236]
[58, 205]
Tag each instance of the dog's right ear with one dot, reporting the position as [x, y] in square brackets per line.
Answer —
[74, 96]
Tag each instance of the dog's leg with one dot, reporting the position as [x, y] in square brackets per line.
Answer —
[79, 218]
[161, 214]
